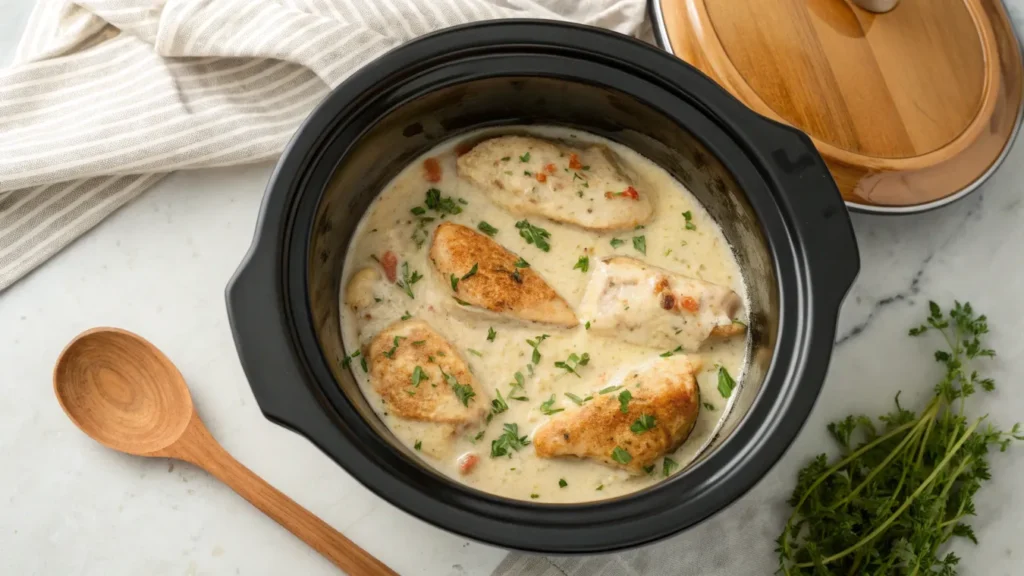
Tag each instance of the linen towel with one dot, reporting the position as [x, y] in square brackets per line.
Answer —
[105, 97]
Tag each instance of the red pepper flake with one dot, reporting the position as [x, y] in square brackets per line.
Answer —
[467, 462]
[630, 193]
[462, 148]
[550, 168]
[574, 162]
[690, 303]
[542, 177]
[432, 170]
[390, 264]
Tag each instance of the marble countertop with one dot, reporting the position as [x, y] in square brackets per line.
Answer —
[159, 267]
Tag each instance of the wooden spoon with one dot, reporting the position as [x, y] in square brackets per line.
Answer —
[125, 394]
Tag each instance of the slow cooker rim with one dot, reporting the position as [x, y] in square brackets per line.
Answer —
[279, 187]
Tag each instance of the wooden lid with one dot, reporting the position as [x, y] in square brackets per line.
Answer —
[907, 107]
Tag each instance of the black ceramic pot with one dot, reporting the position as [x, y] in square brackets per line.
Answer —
[762, 182]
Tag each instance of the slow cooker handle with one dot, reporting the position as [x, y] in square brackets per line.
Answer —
[806, 190]
[268, 358]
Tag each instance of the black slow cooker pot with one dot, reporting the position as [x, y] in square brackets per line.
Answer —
[761, 181]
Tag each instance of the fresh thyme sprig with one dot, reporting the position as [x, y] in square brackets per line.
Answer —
[894, 498]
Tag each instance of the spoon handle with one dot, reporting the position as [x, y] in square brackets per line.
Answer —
[197, 446]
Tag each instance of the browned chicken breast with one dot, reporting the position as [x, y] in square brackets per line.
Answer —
[484, 274]
[650, 415]
[531, 176]
[650, 306]
[421, 377]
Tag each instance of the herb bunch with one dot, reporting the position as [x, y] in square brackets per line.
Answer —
[896, 496]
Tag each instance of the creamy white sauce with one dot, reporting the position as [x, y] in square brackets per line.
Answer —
[388, 225]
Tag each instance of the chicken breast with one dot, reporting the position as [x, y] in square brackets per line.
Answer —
[483, 274]
[650, 415]
[649, 306]
[421, 377]
[531, 176]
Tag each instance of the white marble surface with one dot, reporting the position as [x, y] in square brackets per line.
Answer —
[159, 267]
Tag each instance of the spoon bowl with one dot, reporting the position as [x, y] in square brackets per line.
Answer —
[122, 391]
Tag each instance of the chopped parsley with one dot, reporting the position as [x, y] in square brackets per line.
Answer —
[642, 424]
[621, 456]
[463, 201]
[535, 343]
[445, 205]
[600, 487]
[419, 343]
[649, 469]
[668, 466]
[478, 436]
[394, 346]
[455, 283]
[347, 360]
[418, 445]
[573, 362]
[725, 382]
[518, 387]
[509, 440]
[418, 210]
[362, 362]
[487, 228]
[576, 399]
[583, 264]
[547, 408]
[708, 406]
[491, 334]
[608, 389]
[420, 234]
[525, 157]
[640, 244]
[616, 242]
[678, 350]
[562, 483]
[463, 392]
[474, 353]
[471, 273]
[418, 375]
[409, 279]
[624, 398]
[520, 263]
[534, 496]
[534, 235]
[506, 158]
[527, 173]
[689, 220]
[406, 316]
[461, 301]
[587, 325]
[498, 405]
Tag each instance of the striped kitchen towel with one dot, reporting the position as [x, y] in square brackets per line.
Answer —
[107, 96]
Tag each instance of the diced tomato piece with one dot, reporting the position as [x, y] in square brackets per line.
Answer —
[542, 177]
[432, 170]
[629, 192]
[574, 162]
[551, 168]
[390, 264]
[467, 462]
[690, 303]
[462, 148]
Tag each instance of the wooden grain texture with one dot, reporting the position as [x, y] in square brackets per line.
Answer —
[906, 107]
[124, 393]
